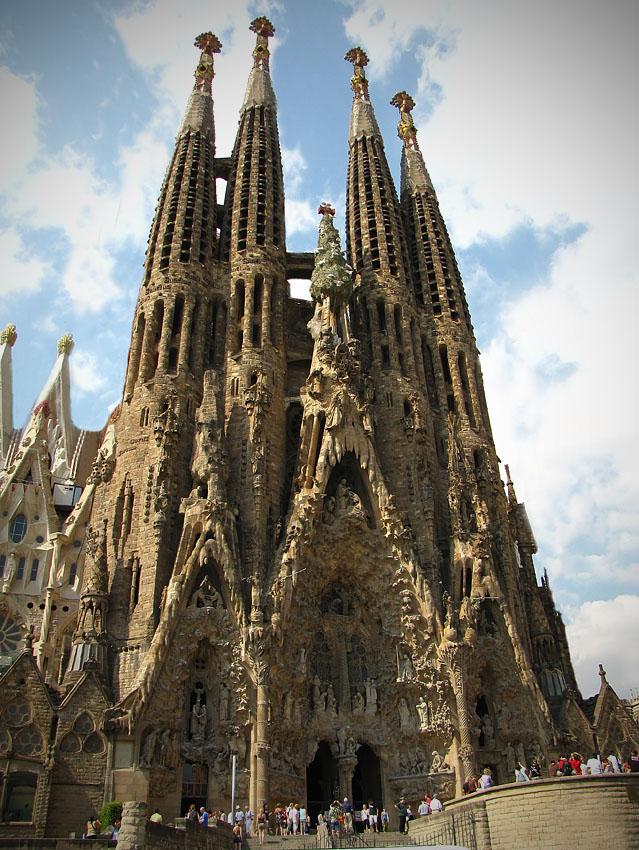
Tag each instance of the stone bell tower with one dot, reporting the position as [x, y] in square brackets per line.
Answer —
[178, 333]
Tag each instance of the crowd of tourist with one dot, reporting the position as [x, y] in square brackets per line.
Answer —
[340, 818]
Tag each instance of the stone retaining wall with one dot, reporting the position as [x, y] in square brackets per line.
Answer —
[589, 811]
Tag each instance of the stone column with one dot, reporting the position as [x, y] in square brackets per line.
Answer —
[312, 451]
[134, 359]
[165, 338]
[345, 770]
[455, 657]
[261, 746]
[185, 336]
[266, 311]
[249, 318]
[133, 830]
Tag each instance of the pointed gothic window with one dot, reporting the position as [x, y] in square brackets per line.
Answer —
[18, 528]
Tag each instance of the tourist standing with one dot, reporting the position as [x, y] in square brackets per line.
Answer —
[347, 811]
[402, 811]
[384, 819]
[262, 823]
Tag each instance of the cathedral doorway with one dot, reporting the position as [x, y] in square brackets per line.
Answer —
[194, 786]
[367, 779]
[322, 781]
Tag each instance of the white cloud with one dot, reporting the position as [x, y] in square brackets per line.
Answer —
[87, 372]
[20, 273]
[159, 39]
[596, 631]
[18, 142]
[293, 166]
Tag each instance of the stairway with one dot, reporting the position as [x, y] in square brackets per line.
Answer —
[358, 841]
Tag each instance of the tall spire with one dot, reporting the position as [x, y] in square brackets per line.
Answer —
[259, 91]
[199, 110]
[436, 271]
[374, 233]
[363, 121]
[414, 174]
[255, 192]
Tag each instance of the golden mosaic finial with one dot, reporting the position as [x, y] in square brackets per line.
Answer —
[406, 129]
[208, 44]
[264, 30]
[359, 83]
[9, 335]
[65, 344]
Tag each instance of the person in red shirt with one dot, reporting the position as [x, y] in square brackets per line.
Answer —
[575, 762]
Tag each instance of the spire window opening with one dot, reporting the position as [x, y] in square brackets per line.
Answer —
[212, 323]
[256, 337]
[468, 403]
[429, 372]
[275, 296]
[385, 358]
[178, 313]
[195, 314]
[258, 294]
[397, 316]
[34, 569]
[381, 318]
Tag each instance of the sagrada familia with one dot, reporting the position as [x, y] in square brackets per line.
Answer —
[290, 548]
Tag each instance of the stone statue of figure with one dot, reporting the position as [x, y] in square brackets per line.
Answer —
[198, 719]
[225, 695]
[371, 696]
[331, 702]
[288, 705]
[405, 670]
[404, 714]
[206, 596]
[422, 710]
[489, 731]
[437, 762]
[9, 572]
[316, 691]
[148, 752]
[297, 714]
[357, 703]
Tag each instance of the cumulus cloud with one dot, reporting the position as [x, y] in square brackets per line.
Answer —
[21, 272]
[596, 631]
[159, 37]
[19, 104]
[87, 372]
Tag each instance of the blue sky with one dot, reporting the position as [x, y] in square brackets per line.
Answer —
[528, 120]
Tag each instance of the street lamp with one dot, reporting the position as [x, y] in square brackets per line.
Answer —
[233, 773]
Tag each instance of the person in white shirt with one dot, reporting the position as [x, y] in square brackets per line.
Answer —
[486, 779]
[594, 765]
[424, 809]
[614, 761]
[435, 805]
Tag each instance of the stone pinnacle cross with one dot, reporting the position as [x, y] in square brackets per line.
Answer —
[264, 30]
[359, 83]
[406, 129]
[208, 44]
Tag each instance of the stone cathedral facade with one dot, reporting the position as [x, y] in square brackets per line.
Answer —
[291, 543]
